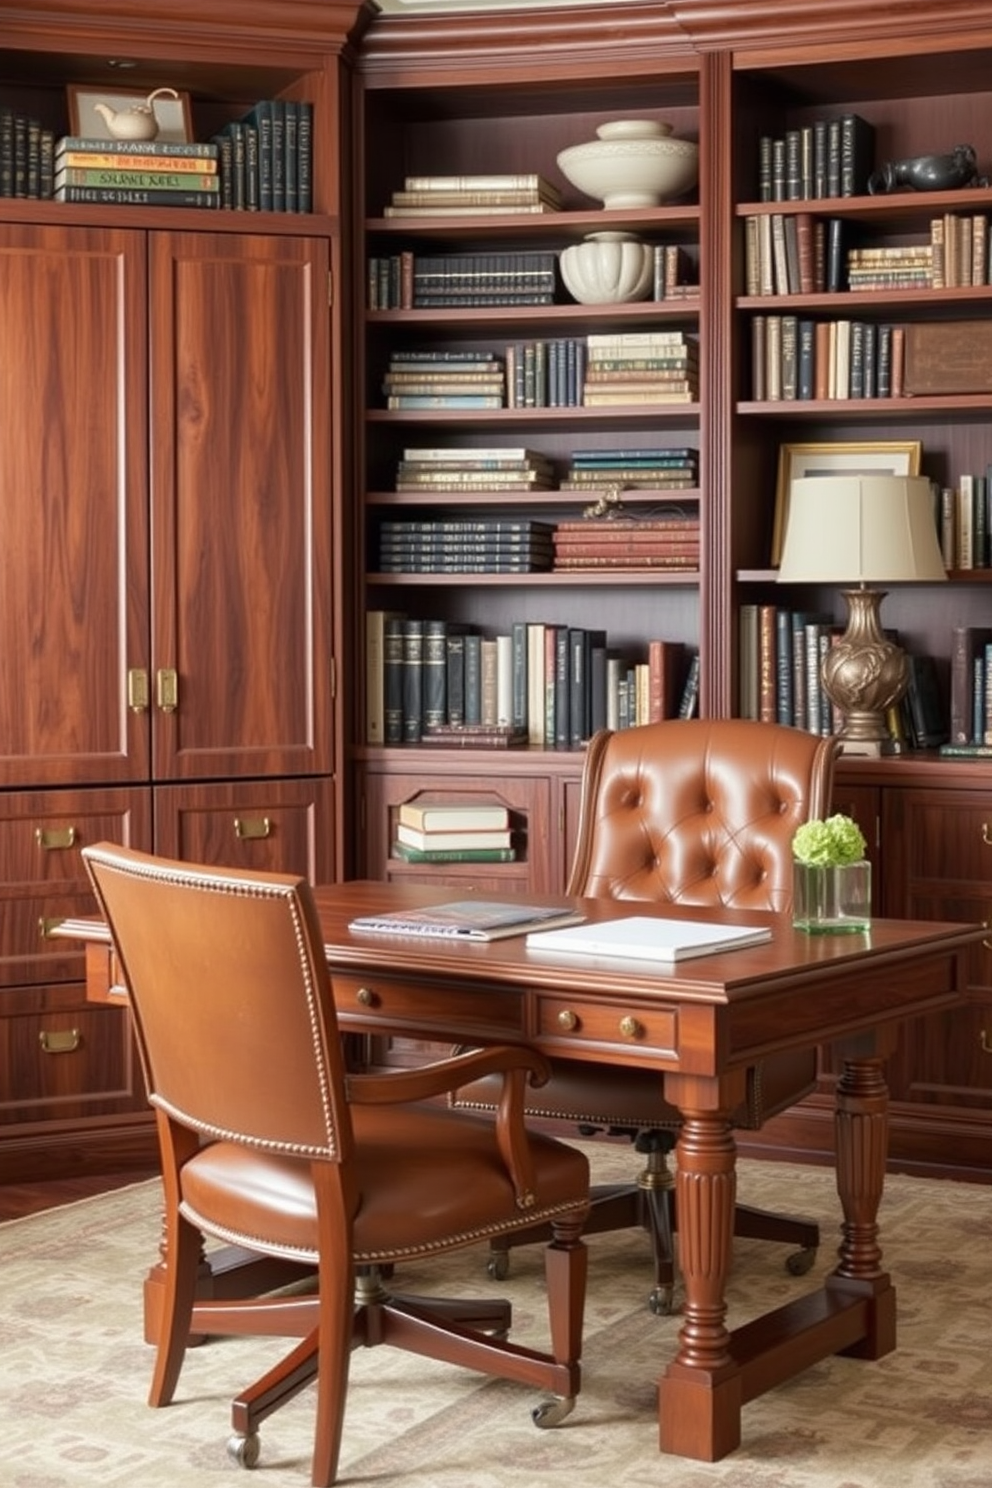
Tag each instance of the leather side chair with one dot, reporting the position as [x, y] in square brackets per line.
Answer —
[690, 812]
[267, 1142]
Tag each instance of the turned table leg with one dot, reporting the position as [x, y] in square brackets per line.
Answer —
[861, 1123]
[699, 1394]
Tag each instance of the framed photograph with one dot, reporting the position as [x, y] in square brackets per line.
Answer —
[89, 108]
[885, 457]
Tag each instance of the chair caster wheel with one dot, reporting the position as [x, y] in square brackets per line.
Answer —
[553, 1412]
[800, 1261]
[244, 1450]
[660, 1301]
[498, 1265]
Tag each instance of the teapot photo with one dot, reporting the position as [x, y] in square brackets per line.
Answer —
[137, 122]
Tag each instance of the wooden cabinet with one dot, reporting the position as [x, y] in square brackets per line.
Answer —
[171, 490]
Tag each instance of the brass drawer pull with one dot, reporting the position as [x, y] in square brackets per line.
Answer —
[51, 839]
[249, 828]
[365, 997]
[986, 943]
[568, 1020]
[631, 1028]
[986, 834]
[985, 1042]
[61, 1042]
[47, 927]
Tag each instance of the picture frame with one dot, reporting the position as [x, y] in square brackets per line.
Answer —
[174, 115]
[873, 457]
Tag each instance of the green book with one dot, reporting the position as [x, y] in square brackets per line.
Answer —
[453, 854]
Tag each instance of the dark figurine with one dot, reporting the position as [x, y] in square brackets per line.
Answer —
[929, 172]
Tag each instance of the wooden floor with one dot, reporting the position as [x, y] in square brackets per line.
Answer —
[18, 1199]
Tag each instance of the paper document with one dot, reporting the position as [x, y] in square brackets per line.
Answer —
[644, 938]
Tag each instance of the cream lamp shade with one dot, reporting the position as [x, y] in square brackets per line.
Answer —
[862, 530]
[872, 529]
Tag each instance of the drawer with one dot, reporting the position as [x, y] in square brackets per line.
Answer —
[63, 1059]
[493, 1014]
[564, 1022]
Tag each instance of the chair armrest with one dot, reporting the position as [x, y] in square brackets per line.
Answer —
[518, 1066]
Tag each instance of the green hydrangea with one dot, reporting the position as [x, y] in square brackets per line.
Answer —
[829, 844]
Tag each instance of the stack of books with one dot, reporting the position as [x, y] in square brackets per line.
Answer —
[545, 374]
[266, 158]
[438, 379]
[473, 195]
[627, 542]
[523, 277]
[26, 156]
[485, 545]
[430, 830]
[651, 469]
[149, 173]
[644, 367]
[450, 468]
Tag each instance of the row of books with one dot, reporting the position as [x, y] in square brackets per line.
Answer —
[462, 545]
[473, 195]
[641, 367]
[794, 253]
[413, 281]
[646, 468]
[410, 281]
[553, 685]
[27, 154]
[266, 158]
[957, 256]
[964, 520]
[423, 380]
[627, 543]
[429, 829]
[137, 172]
[781, 652]
[793, 357]
[828, 157]
[971, 688]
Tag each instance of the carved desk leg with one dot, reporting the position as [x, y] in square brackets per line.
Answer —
[862, 1142]
[699, 1394]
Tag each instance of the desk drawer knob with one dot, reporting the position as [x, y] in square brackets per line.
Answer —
[568, 1021]
[365, 997]
[60, 1041]
[631, 1028]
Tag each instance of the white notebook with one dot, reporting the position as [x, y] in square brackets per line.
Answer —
[645, 938]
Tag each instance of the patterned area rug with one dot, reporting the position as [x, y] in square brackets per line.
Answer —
[74, 1370]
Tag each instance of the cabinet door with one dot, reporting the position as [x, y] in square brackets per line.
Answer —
[261, 826]
[42, 876]
[241, 506]
[73, 492]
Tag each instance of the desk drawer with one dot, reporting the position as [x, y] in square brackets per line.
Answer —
[564, 1022]
[491, 1014]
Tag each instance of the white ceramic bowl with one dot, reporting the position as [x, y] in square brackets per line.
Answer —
[608, 268]
[632, 163]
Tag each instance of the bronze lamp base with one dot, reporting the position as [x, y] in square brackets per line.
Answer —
[864, 675]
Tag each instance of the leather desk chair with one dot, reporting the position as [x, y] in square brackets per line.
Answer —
[267, 1142]
[686, 812]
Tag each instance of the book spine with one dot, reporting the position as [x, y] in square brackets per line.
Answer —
[455, 679]
[435, 665]
[392, 661]
[489, 678]
[125, 197]
[473, 678]
[413, 680]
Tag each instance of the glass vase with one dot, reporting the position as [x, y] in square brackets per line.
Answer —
[832, 901]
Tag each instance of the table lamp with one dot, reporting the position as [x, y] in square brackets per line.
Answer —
[862, 530]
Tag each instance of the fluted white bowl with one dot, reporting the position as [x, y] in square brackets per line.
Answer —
[632, 163]
[607, 268]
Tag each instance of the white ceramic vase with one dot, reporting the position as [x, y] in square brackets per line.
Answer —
[608, 268]
[632, 163]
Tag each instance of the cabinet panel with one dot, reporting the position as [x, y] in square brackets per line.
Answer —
[262, 826]
[42, 877]
[73, 492]
[64, 1060]
[241, 502]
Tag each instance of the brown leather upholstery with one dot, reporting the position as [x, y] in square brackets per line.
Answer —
[698, 812]
[267, 1142]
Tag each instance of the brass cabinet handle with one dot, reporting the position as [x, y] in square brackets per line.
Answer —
[568, 1020]
[365, 997]
[60, 1042]
[47, 926]
[167, 689]
[631, 1028]
[986, 834]
[137, 690]
[249, 828]
[51, 839]
[985, 1042]
[986, 943]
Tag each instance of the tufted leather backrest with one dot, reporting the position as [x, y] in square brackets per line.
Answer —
[231, 1000]
[696, 811]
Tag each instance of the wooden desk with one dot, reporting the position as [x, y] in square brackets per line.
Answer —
[700, 1026]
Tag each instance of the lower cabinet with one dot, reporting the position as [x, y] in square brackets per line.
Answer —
[72, 1097]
